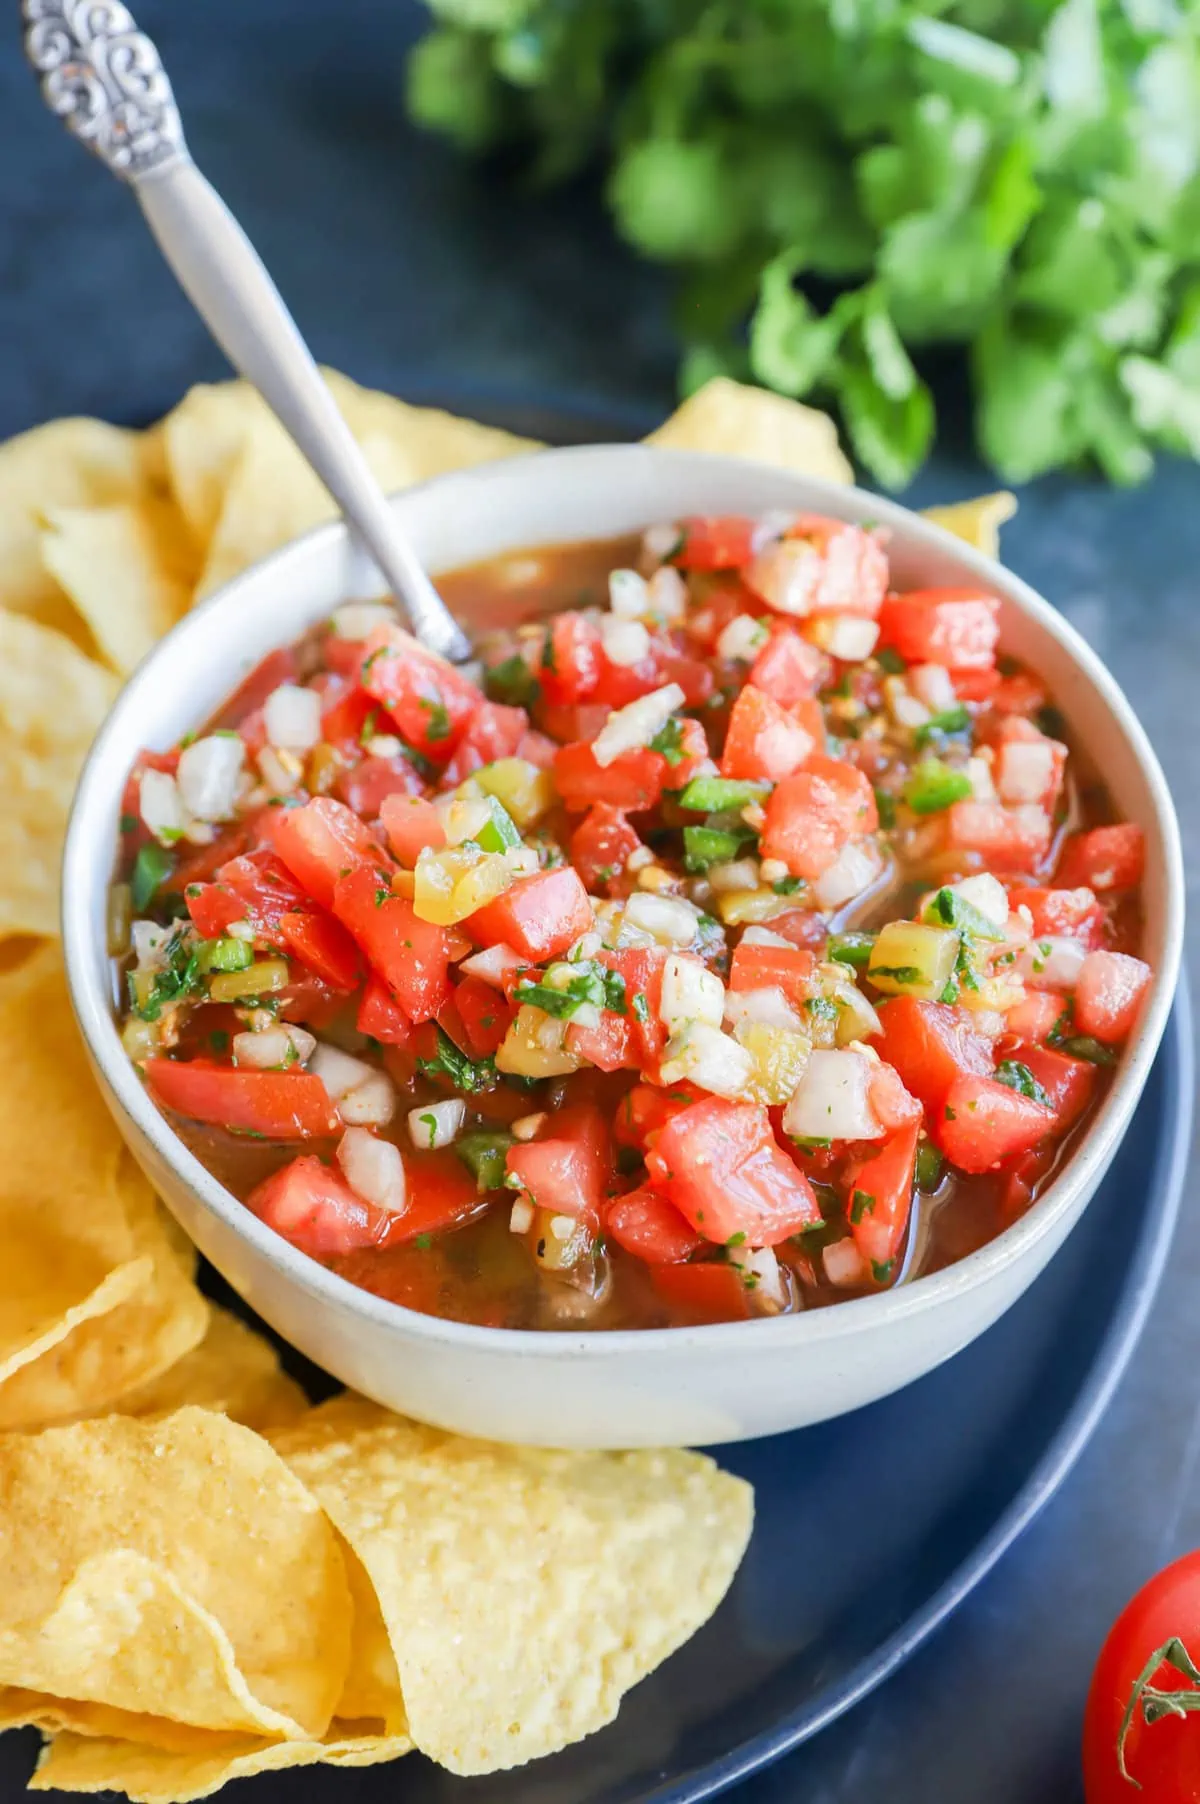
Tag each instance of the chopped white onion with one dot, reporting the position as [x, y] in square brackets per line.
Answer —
[358, 619]
[767, 1007]
[493, 964]
[209, 773]
[741, 873]
[660, 541]
[1025, 770]
[149, 942]
[160, 805]
[933, 684]
[273, 1047]
[744, 637]
[857, 1018]
[528, 1127]
[851, 637]
[339, 1071]
[706, 1057]
[629, 728]
[382, 745]
[281, 771]
[292, 717]
[765, 1282]
[987, 894]
[520, 1219]
[762, 936]
[625, 642]
[844, 1264]
[979, 774]
[437, 1124]
[364, 1094]
[1051, 963]
[903, 706]
[628, 594]
[856, 867]
[373, 1169]
[690, 992]
[786, 574]
[668, 595]
[831, 1101]
[665, 918]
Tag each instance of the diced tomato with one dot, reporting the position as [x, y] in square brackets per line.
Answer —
[311, 1204]
[1029, 766]
[813, 814]
[428, 699]
[704, 1293]
[763, 740]
[412, 956]
[694, 677]
[372, 780]
[258, 886]
[342, 656]
[788, 968]
[802, 926]
[1069, 1084]
[894, 1106]
[981, 1122]
[570, 663]
[380, 1015]
[198, 864]
[568, 721]
[1106, 858]
[322, 840]
[709, 615]
[346, 710]
[788, 668]
[976, 685]
[619, 684]
[1020, 693]
[495, 731]
[276, 668]
[411, 825]
[645, 1110]
[714, 542]
[279, 1105]
[601, 844]
[611, 1045]
[1008, 839]
[957, 628]
[539, 917]
[641, 968]
[324, 946]
[1108, 994]
[1035, 1016]
[568, 1171]
[879, 1198]
[722, 1167]
[633, 782]
[930, 1044]
[821, 566]
[440, 1193]
[1073, 914]
[537, 748]
[485, 1015]
[650, 1227]
[214, 909]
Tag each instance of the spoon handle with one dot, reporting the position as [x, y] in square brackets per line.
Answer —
[105, 79]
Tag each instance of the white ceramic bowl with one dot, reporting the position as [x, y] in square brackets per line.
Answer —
[678, 1385]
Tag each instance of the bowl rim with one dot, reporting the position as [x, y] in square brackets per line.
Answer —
[129, 1098]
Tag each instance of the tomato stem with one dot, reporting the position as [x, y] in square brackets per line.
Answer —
[1156, 1703]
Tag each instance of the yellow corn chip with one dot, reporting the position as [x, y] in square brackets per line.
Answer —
[172, 1568]
[130, 570]
[234, 1369]
[524, 1591]
[52, 700]
[978, 521]
[157, 1776]
[739, 421]
[425, 440]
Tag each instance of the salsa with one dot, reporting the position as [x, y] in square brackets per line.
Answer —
[737, 936]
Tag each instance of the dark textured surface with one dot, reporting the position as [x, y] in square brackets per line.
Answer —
[409, 273]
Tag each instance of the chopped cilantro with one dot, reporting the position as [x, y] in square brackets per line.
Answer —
[368, 727]
[512, 682]
[787, 886]
[423, 1242]
[932, 786]
[738, 1239]
[175, 980]
[549, 661]
[151, 868]
[890, 661]
[1083, 1046]
[129, 823]
[468, 1075]
[438, 726]
[218, 1040]
[429, 1120]
[949, 909]
[886, 805]
[929, 1166]
[861, 1203]
[641, 1008]
[379, 652]
[881, 1272]
[1020, 1078]
[670, 743]
[907, 974]
[945, 725]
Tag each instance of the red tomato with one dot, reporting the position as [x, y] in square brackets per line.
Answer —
[411, 955]
[1075, 914]
[710, 1292]
[539, 917]
[324, 946]
[1036, 1016]
[1144, 1657]
[957, 628]
[788, 668]
[485, 1014]
[787, 968]
[312, 1205]
[610, 1045]
[981, 1122]
[650, 1227]
[763, 740]
[1108, 993]
[1106, 858]
[256, 888]
[893, 1105]
[844, 570]
[1008, 839]
[641, 967]
[494, 731]
[367, 786]
[601, 844]
[440, 1193]
[345, 711]
[618, 684]
[411, 825]
[428, 699]
[569, 1170]
[645, 1110]
[879, 1198]
[570, 664]
[930, 1044]
[279, 1105]
[694, 677]
[634, 781]
[200, 863]
[714, 542]
[381, 1017]
[812, 815]
[322, 840]
[1029, 766]
[567, 722]
[722, 1167]
[276, 668]
[1069, 1084]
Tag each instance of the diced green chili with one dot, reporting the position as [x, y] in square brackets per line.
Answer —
[933, 786]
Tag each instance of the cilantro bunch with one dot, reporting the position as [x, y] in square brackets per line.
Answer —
[845, 182]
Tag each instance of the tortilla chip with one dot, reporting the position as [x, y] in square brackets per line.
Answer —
[978, 521]
[129, 569]
[68, 463]
[52, 700]
[155, 1776]
[428, 441]
[737, 420]
[173, 1568]
[524, 1590]
[234, 1369]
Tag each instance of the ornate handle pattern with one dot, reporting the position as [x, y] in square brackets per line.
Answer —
[103, 78]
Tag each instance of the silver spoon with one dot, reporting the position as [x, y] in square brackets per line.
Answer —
[105, 80]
